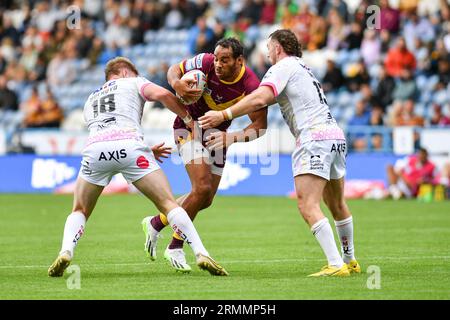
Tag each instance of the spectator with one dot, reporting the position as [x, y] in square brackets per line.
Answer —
[370, 48]
[7, 50]
[268, 12]
[385, 38]
[367, 95]
[42, 114]
[45, 17]
[137, 35]
[376, 119]
[223, 12]
[196, 9]
[83, 38]
[251, 11]
[422, 56]
[95, 51]
[302, 24]
[317, 33]
[406, 87]
[29, 58]
[8, 98]
[354, 38]
[118, 33]
[30, 108]
[151, 17]
[51, 115]
[338, 30]
[443, 73]
[438, 118]
[395, 114]
[3, 64]
[261, 65]
[32, 38]
[61, 70]
[416, 27]
[407, 116]
[200, 28]
[336, 5]
[407, 174]
[7, 30]
[437, 54]
[357, 75]
[399, 58]
[385, 89]
[389, 17]
[360, 118]
[173, 15]
[376, 116]
[333, 79]
[109, 53]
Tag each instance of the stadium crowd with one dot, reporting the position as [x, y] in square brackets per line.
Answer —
[394, 74]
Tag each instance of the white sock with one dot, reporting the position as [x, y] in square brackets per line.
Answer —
[73, 230]
[183, 226]
[324, 235]
[344, 230]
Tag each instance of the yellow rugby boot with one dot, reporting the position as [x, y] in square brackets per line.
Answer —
[354, 267]
[331, 271]
[60, 264]
[208, 263]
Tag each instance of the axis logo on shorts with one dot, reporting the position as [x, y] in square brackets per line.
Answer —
[142, 162]
[115, 155]
[338, 147]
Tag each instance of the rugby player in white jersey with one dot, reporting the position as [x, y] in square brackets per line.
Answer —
[318, 161]
[115, 144]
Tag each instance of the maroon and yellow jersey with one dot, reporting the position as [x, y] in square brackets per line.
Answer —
[218, 94]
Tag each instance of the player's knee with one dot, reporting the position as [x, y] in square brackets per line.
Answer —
[336, 207]
[202, 189]
[208, 200]
[306, 206]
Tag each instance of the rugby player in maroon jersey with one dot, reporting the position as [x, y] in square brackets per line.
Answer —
[228, 81]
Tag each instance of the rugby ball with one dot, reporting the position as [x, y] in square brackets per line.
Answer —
[199, 83]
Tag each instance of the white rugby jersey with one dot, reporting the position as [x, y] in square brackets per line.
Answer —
[118, 104]
[302, 101]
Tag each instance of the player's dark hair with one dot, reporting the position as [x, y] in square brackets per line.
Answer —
[234, 44]
[287, 39]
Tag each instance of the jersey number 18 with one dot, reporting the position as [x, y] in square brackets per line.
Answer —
[107, 104]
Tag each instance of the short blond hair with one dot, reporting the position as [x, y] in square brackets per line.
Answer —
[114, 66]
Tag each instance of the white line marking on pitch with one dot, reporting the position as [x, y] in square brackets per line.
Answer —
[265, 261]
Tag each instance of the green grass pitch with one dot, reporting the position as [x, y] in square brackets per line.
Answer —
[262, 242]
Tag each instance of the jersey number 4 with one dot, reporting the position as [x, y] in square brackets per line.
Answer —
[107, 104]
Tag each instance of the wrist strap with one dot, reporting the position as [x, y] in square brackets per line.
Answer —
[187, 119]
[227, 114]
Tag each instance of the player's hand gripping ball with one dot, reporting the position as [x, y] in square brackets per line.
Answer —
[196, 80]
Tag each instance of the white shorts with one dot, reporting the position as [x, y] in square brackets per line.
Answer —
[102, 160]
[323, 158]
[193, 149]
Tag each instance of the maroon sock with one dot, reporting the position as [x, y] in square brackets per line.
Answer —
[157, 223]
[176, 244]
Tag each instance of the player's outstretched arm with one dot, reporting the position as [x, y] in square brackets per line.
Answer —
[153, 92]
[221, 139]
[182, 86]
[258, 99]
